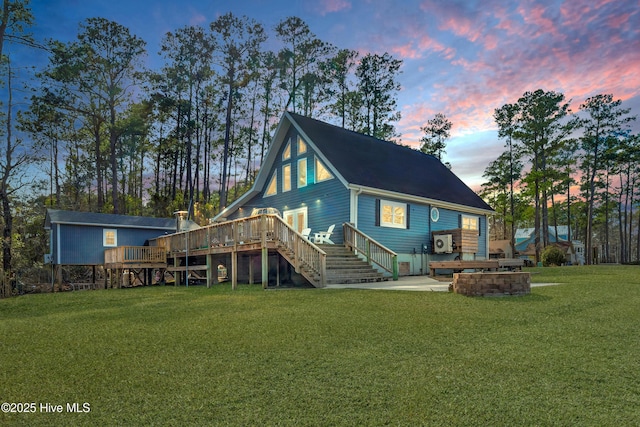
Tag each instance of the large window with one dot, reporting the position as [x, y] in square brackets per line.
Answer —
[302, 146]
[109, 238]
[321, 172]
[393, 214]
[286, 154]
[302, 173]
[272, 188]
[470, 222]
[286, 178]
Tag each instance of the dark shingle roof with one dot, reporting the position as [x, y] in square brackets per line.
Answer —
[367, 161]
[55, 216]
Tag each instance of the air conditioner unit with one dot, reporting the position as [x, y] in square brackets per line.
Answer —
[443, 244]
[48, 258]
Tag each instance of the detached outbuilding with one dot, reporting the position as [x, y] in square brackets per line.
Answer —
[81, 238]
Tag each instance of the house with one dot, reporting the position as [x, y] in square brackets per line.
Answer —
[81, 238]
[525, 243]
[500, 249]
[318, 175]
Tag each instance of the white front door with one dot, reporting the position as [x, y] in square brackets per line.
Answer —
[296, 218]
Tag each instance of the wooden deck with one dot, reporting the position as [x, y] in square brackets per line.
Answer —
[256, 235]
[193, 252]
[134, 257]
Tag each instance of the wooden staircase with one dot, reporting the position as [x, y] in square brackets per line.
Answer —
[343, 266]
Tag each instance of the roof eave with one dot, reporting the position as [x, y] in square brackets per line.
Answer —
[420, 199]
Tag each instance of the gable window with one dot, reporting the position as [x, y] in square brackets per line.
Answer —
[109, 238]
[302, 173]
[272, 188]
[470, 222]
[302, 146]
[286, 178]
[321, 172]
[393, 214]
[286, 154]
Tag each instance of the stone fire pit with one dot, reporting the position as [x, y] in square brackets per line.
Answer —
[492, 283]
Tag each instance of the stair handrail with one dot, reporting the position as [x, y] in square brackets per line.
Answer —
[374, 251]
[259, 228]
[306, 253]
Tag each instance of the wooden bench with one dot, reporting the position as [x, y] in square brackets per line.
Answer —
[458, 266]
[511, 264]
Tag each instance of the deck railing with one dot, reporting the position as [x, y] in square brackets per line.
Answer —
[373, 251]
[255, 229]
[135, 254]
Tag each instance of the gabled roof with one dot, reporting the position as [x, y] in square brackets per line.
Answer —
[359, 160]
[367, 161]
[525, 233]
[55, 216]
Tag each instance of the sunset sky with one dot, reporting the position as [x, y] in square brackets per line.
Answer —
[463, 58]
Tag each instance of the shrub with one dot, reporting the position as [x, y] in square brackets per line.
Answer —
[552, 255]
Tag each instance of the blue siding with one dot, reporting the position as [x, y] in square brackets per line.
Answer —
[396, 239]
[420, 227]
[83, 245]
[327, 202]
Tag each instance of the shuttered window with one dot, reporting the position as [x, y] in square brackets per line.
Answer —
[392, 214]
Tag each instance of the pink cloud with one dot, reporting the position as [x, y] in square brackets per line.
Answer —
[332, 6]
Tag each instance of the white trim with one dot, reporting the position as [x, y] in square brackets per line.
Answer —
[477, 218]
[353, 208]
[274, 177]
[117, 225]
[294, 213]
[434, 214]
[58, 246]
[104, 237]
[306, 173]
[409, 198]
[287, 146]
[298, 141]
[284, 178]
[393, 205]
[316, 161]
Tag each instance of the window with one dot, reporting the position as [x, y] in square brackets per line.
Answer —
[109, 238]
[272, 188]
[435, 214]
[393, 214]
[470, 222]
[286, 178]
[302, 173]
[286, 154]
[302, 146]
[322, 173]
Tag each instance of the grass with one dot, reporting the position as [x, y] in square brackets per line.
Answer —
[564, 355]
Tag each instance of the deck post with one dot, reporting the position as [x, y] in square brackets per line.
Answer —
[234, 269]
[395, 267]
[265, 267]
[178, 275]
[265, 252]
[211, 270]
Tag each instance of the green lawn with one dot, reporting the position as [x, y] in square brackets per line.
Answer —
[565, 355]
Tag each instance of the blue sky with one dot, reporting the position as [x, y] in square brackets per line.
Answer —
[463, 58]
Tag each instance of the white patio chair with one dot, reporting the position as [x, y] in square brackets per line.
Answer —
[323, 236]
[306, 232]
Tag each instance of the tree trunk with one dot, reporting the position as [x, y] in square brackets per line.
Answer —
[227, 137]
[113, 145]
